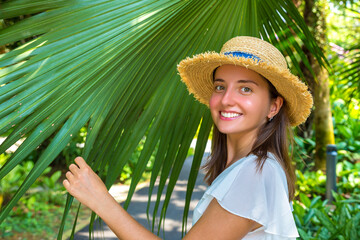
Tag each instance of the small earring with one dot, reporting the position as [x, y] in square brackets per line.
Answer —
[270, 119]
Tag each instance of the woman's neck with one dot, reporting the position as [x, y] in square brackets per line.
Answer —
[239, 147]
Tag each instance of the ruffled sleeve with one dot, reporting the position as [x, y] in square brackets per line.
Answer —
[258, 195]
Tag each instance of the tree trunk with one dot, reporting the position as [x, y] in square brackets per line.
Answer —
[315, 18]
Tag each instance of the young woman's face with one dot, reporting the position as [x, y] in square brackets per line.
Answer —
[240, 103]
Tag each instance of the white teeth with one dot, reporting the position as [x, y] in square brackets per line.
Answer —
[229, 115]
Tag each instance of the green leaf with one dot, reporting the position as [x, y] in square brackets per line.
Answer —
[111, 66]
[198, 156]
[303, 234]
[309, 216]
[326, 221]
[315, 201]
[305, 200]
[69, 200]
[25, 7]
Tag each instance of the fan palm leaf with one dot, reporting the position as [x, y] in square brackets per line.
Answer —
[347, 73]
[111, 66]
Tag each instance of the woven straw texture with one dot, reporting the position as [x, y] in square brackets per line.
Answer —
[197, 74]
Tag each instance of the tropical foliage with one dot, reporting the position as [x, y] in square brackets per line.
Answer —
[38, 208]
[317, 220]
[110, 66]
[315, 217]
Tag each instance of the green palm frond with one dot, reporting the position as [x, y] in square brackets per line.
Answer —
[348, 74]
[23, 7]
[111, 66]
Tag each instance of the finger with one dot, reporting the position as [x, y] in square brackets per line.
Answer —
[66, 185]
[69, 176]
[74, 169]
[80, 162]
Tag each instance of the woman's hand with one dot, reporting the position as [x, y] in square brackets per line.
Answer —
[88, 188]
[83, 183]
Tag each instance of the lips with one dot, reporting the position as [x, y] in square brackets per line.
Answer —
[229, 115]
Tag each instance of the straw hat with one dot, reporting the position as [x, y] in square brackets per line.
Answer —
[257, 55]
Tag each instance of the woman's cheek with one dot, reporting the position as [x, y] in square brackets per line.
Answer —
[213, 100]
[213, 106]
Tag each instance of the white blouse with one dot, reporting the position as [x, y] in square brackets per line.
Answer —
[260, 196]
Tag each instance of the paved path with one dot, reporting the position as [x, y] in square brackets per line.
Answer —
[173, 222]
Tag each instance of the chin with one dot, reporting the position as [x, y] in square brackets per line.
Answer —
[228, 131]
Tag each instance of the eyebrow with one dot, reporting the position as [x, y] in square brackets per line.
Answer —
[238, 81]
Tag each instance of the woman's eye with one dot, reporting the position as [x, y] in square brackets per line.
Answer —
[246, 90]
[219, 88]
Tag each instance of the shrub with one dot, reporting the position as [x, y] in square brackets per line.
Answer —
[37, 209]
[317, 220]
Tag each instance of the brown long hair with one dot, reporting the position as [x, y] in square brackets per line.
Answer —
[274, 136]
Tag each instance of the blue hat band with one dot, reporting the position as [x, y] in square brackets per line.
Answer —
[243, 55]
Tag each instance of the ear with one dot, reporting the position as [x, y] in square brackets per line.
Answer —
[275, 106]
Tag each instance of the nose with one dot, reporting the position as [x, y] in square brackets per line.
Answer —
[228, 99]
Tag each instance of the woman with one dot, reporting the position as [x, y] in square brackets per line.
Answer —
[253, 99]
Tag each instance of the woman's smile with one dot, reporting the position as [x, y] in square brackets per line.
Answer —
[229, 116]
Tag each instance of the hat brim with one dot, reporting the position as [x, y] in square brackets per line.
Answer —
[197, 74]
